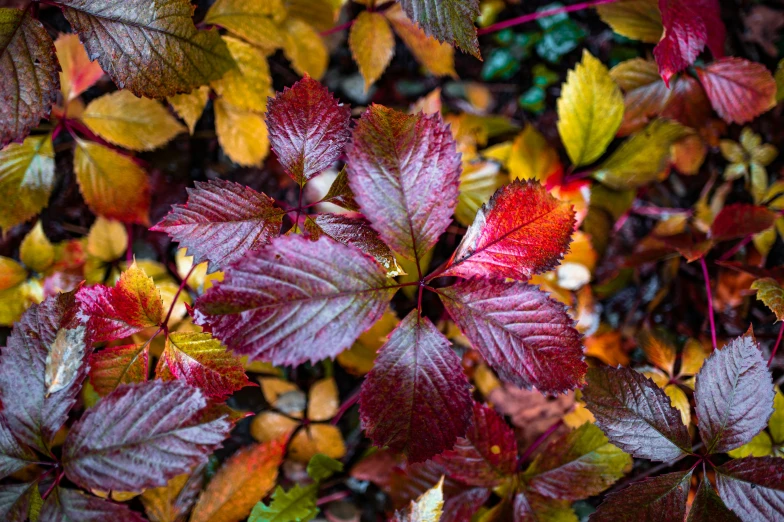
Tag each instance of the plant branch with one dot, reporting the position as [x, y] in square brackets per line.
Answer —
[776, 346]
[347, 404]
[710, 301]
[538, 442]
[176, 295]
[332, 497]
[734, 250]
[542, 14]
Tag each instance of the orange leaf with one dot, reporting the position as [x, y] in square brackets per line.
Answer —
[79, 73]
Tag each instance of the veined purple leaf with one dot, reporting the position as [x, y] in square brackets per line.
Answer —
[308, 128]
[296, 300]
[658, 499]
[404, 171]
[221, 221]
[527, 337]
[141, 435]
[708, 506]
[13, 455]
[449, 21]
[734, 395]
[635, 414]
[753, 487]
[416, 399]
[69, 505]
[16, 501]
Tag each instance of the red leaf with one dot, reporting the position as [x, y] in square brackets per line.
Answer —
[117, 365]
[416, 387]
[141, 435]
[734, 395]
[739, 90]
[202, 362]
[296, 300]
[308, 128]
[221, 221]
[520, 232]
[688, 26]
[487, 455]
[708, 506]
[64, 505]
[753, 487]
[404, 171]
[740, 220]
[661, 498]
[688, 103]
[522, 333]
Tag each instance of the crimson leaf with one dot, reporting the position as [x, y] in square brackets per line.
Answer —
[68, 505]
[520, 232]
[527, 337]
[659, 499]
[487, 455]
[753, 487]
[296, 300]
[739, 90]
[221, 221]
[141, 435]
[740, 220]
[635, 414]
[308, 128]
[416, 398]
[734, 395]
[708, 506]
[404, 171]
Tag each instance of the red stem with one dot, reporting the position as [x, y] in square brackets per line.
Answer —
[347, 404]
[776, 346]
[542, 14]
[538, 442]
[337, 28]
[710, 301]
[179, 291]
[332, 497]
[734, 250]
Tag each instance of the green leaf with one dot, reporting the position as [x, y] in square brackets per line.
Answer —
[295, 505]
[322, 467]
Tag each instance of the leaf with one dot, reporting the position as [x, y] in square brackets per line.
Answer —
[658, 350]
[153, 50]
[427, 508]
[487, 455]
[130, 122]
[242, 134]
[753, 487]
[739, 90]
[404, 171]
[248, 85]
[255, 21]
[36, 251]
[202, 362]
[478, 182]
[64, 360]
[635, 414]
[296, 300]
[734, 396]
[140, 436]
[314, 439]
[642, 158]
[78, 72]
[191, 105]
[304, 48]
[590, 110]
[133, 304]
[340, 193]
[580, 464]
[322, 467]
[107, 240]
[245, 478]
[26, 179]
[13, 455]
[416, 386]
[646, 95]
[532, 157]
[450, 21]
[521, 332]
[708, 507]
[770, 292]
[740, 220]
[113, 185]
[437, 57]
[18, 502]
[658, 499]
[372, 45]
[520, 232]
[171, 502]
[29, 68]
[296, 504]
[221, 222]
[308, 129]
[636, 19]
[115, 365]
[65, 505]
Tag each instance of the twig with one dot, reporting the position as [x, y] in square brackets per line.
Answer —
[332, 497]
[176, 295]
[541, 14]
[538, 442]
[734, 250]
[710, 301]
[776, 346]
[347, 404]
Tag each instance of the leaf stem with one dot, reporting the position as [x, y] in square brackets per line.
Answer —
[541, 14]
[347, 404]
[337, 28]
[710, 301]
[776, 346]
[176, 295]
[332, 497]
[734, 250]
[538, 442]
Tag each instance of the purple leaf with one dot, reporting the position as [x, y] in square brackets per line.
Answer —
[708, 506]
[753, 487]
[416, 399]
[527, 337]
[658, 499]
[16, 501]
[635, 414]
[69, 505]
[13, 455]
[141, 435]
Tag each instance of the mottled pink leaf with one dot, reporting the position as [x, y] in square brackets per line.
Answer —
[753, 487]
[526, 337]
[404, 171]
[416, 398]
[740, 220]
[658, 499]
[739, 90]
[69, 505]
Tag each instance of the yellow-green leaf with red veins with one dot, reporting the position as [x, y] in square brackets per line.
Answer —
[203, 362]
[520, 232]
[770, 292]
[149, 48]
[117, 365]
[417, 385]
[404, 171]
[133, 304]
[296, 300]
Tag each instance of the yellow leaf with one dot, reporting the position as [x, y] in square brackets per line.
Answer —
[168, 290]
[642, 158]
[323, 400]
[590, 110]
[770, 292]
[36, 251]
[26, 179]
[78, 73]
[242, 134]
[359, 359]
[161, 504]
[248, 85]
[776, 422]
[437, 57]
[190, 106]
[107, 240]
[658, 350]
[635, 19]
[130, 122]
[270, 425]
[531, 156]
[321, 14]
[305, 48]
[607, 346]
[11, 273]
[112, 184]
[759, 446]
[256, 21]
[478, 182]
[679, 401]
[372, 45]
[15, 300]
[317, 438]
[693, 355]
[199, 279]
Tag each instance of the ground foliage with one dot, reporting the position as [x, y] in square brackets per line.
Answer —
[415, 260]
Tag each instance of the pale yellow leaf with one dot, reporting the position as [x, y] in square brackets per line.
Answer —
[65, 358]
[531, 157]
[248, 85]
[257, 21]
[242, 134]
[36, 251]
[372, 45]
[107, 240]
[437, 57]
[427, 508]
[270, 425]
[26, 179]
[15, 300]
[635, 19]
[191, 105]
[304, 48]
